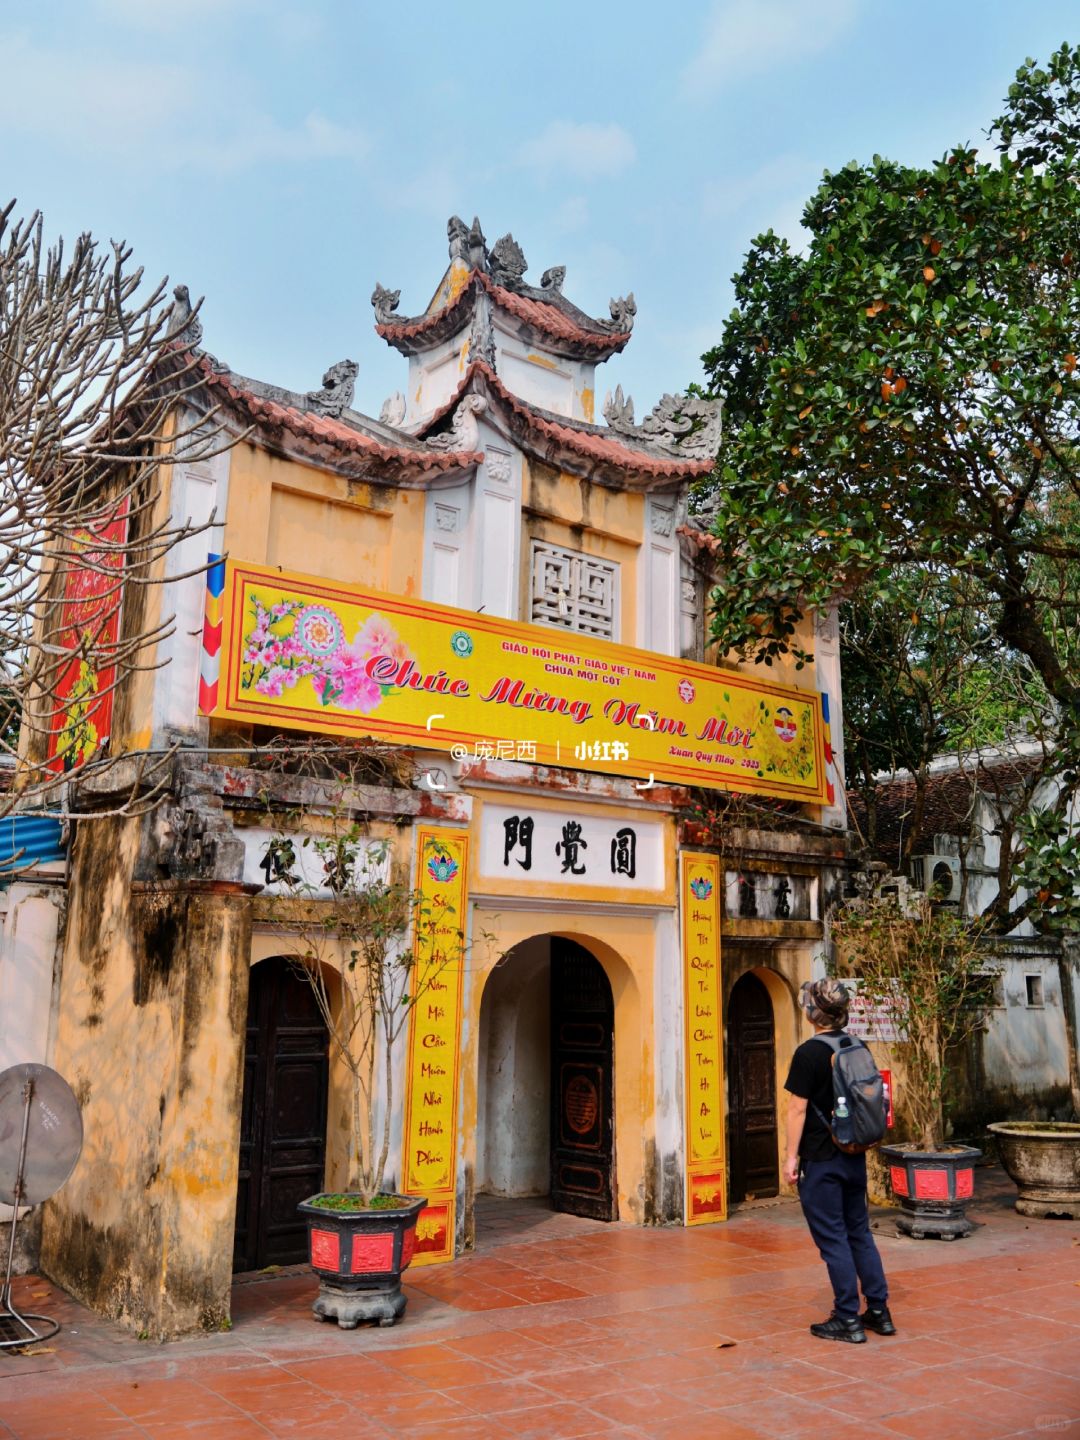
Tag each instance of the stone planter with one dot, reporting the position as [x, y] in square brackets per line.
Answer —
[933, 1187]
[359, 1257]
[1042, 1159]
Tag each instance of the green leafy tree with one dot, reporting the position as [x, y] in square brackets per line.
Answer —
[906, 392]
[930, 973]
[902, 406]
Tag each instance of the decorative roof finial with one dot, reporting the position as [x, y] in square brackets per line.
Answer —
[457, 233]
[336, 394]
[393, 410]
[687, 426]
[464, 434]
[477, 246]
[623, 311]
[553, 279]
[184, 323]
[385, 303]
[508, 263]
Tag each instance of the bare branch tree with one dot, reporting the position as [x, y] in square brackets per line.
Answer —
[100, 394]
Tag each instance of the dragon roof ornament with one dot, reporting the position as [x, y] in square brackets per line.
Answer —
[686, 426]
[336, 395]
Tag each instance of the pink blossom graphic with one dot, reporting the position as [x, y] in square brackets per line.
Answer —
[347, 682]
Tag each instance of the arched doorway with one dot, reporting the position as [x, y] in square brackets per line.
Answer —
[283, 1117]
[751, 1063]
[546, 1079]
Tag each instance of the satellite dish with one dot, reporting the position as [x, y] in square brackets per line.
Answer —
[41, 1136]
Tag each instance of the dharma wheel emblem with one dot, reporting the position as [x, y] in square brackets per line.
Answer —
[461, 643]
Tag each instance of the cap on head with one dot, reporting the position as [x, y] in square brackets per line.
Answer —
[825, 1002]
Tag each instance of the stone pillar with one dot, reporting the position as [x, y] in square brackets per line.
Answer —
[150, 1033]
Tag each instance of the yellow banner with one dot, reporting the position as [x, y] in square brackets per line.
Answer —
[429, 1145]
[308, 655]
[706, 1167]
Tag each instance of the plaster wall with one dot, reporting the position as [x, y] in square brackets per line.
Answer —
[513, 1123]
[199, 493]
[153, 996]
[282, 512]
[30, 916]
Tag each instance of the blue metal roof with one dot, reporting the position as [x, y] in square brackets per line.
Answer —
[27, 840]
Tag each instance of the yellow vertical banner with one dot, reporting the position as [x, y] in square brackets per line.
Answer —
[429, 1144]
[706, 1161]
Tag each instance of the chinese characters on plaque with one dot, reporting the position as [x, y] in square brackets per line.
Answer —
[551, 846]
[706, 1178]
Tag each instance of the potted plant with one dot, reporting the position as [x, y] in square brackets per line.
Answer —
[1042, 1159]
[363, 939]
[924, 972]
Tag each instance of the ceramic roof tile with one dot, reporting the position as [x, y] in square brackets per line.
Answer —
[337, 433]
[578, 436]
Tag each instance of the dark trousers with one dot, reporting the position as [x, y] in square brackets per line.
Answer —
[833, 1197]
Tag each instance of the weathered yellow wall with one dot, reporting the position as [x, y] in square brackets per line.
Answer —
[281, 512]
[609, 524]
[153, 997]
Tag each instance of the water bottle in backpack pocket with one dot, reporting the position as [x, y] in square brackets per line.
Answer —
[860, 1110]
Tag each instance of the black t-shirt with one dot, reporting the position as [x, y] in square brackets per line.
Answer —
[810, 1078]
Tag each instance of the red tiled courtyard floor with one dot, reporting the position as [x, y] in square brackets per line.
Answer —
[560, 1327]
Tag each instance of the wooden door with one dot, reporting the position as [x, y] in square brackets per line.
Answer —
[582, 1084]
[752, 1135]
[283, 1118]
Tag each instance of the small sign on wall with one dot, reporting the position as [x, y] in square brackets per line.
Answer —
[301, 869]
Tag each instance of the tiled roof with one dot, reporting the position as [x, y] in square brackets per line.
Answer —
[560, 322]
[592, 442]
[275, 415]
[700, 539]
[949, 803]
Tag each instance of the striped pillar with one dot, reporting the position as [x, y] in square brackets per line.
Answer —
[210, 666]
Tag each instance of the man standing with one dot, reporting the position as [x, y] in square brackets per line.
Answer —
[832, 1184]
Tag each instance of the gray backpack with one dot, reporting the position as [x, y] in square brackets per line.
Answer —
[860, 1110]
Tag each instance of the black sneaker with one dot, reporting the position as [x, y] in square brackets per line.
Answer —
[880, 1321]
[837, 1328]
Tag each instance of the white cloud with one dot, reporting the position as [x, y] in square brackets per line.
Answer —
[744, 37]
[585, 152]
[153, 113]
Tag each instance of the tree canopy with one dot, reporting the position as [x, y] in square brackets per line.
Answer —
[902, 405]
[906, 393]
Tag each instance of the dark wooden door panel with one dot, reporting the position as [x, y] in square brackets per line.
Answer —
[582, 1090]
[752, 1124]
[283, 1117]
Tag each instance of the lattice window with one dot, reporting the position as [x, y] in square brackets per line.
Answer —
[574, 591]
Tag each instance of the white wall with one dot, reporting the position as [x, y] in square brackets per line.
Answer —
[199, 491]
[29, 917]
[514, 1103]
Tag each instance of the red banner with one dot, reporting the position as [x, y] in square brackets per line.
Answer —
[82, 694]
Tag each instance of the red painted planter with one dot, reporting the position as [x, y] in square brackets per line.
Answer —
[359, 1257]
[933, 1187]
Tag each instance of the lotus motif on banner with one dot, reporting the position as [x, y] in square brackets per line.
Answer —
[442, 868]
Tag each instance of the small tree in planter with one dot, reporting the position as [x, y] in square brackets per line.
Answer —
[364, 939]
[929, 972]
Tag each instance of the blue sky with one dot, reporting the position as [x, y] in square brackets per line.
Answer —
[279, 157]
